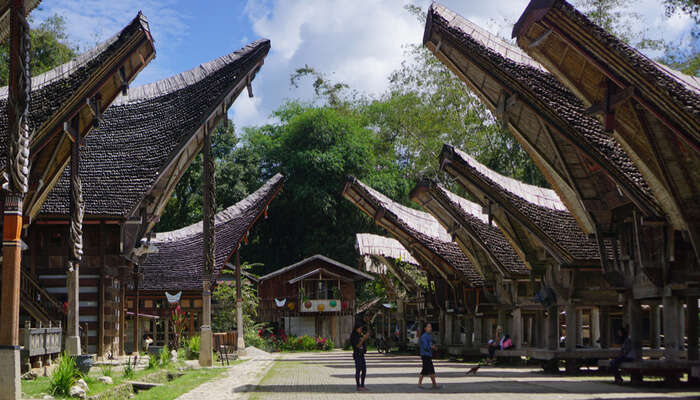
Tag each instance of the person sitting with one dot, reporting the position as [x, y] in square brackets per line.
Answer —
[627, 353]
[507, 342]
[147, 342]
[493, 346]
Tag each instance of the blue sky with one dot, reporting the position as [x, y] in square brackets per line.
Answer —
[359, 42]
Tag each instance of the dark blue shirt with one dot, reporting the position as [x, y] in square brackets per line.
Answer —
[426, 345]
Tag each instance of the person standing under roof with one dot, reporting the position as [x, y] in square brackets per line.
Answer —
[359, 348]
[426, 355]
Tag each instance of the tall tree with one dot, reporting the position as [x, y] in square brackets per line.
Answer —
[315, 147]
[237, 174]
[50, 47]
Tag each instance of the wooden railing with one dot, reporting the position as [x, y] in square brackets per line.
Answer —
[32, 292]
[42, 340]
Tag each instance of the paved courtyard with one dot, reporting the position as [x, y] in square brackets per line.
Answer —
[331, 376]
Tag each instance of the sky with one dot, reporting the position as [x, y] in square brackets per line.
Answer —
[358, 42]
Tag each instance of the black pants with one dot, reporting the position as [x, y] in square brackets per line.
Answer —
[492, 351]
[360, 370]
[428, 368]
[615, 364]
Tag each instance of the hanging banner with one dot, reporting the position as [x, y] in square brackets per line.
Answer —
[173, 298]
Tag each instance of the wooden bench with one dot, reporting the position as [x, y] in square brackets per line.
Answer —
[670, 370]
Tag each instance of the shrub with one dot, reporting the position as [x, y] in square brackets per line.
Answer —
[129, 368]
[64, 376]
[164, 356]
[152, 361]
[192, 348]
[307, 343]
[106, 369]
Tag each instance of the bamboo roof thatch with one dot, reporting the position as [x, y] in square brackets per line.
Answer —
[569, 146]
[532, 217]
[179, 262]
[60, 95]
[142, 133]
[652, 110]
[368, 244]
[479, 237]
[383, 255]
[418, 231]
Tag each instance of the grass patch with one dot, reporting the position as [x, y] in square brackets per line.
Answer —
[190, 380]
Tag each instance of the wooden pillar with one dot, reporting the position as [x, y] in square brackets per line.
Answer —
[692, 326]
[442, 326]
[478, 331]
[501, 322]
[672, 334]
[239, 303]
[468, 331]
[634, 309]
[553, 328]
[122, 317]
[655, 326]
[571, 324]
[681, 320]
[166, 341]
[208, 225]
[137, 339]
[604, 327]
[517, 334]
[595, 327]
[17, 169]
[401, 315]
[540, 329]
[76, 239]
[579, 327]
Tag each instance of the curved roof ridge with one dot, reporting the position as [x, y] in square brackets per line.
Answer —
[71, 66]
[377, 245]
[486, 38]
[186, 78]
[221, 217]
[418, 220]
[469, 207]
[540, 196]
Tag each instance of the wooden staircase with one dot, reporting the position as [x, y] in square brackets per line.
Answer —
[37, 302]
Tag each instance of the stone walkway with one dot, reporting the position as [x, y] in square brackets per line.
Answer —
[331, 376]
[240, 379]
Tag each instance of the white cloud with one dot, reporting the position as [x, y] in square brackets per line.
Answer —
[247, 110]
[360, 42]
[89, 22]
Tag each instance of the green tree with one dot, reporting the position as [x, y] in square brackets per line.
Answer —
[315, 147]
[427, 106]
[50, 48]
[224, 307]
[237, 175]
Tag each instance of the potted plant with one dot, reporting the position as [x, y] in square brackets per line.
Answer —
[336, 293]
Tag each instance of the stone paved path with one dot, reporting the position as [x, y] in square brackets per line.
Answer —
[331, 376]
[240, 379]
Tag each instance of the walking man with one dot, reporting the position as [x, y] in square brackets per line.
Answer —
[426, 355]
[359, 348]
